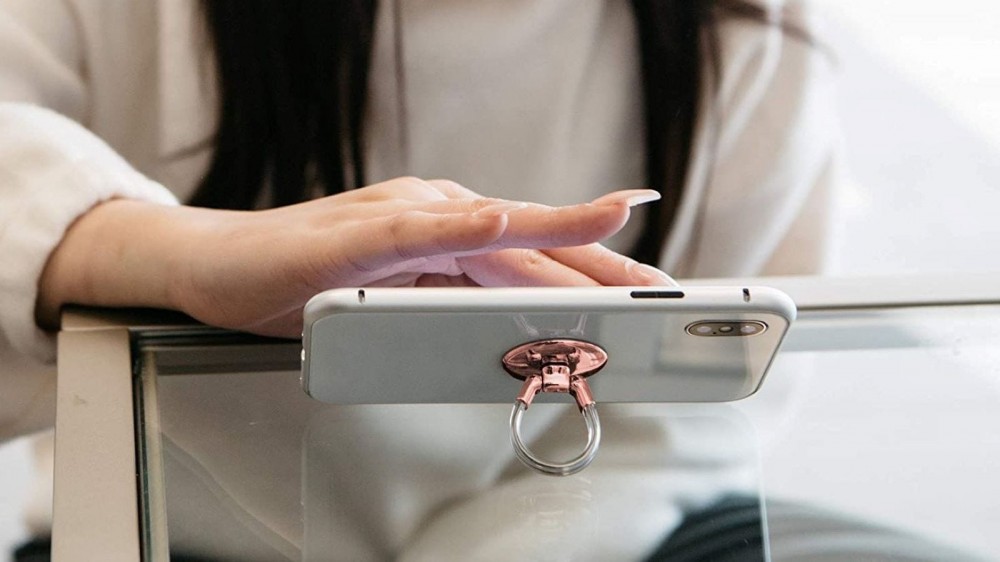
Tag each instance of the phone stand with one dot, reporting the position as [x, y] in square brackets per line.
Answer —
[556, 365]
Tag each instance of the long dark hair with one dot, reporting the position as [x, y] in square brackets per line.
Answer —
[293, 82]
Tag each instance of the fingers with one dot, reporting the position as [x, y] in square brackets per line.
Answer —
[483, 206]
[579, 266]
[441, 280]
[529, 225]
[408, 188]
[630, 197]
[453, 190]
[418, 190]
[405, 222]
[539, 226]
[387, 241]
[521, 268]
[608, 267]
[428, 272]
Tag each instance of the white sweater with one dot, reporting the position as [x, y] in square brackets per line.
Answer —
[536, 100]
[525, 99]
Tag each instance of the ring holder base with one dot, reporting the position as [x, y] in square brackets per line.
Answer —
[561, 366]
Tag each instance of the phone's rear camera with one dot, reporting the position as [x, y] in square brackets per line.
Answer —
[708, 328]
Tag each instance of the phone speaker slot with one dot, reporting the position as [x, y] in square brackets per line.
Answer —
[657, 294]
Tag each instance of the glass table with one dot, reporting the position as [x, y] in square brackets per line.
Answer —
[874, 436]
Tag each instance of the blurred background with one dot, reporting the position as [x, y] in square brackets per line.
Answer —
[920, 109]
[920, 106]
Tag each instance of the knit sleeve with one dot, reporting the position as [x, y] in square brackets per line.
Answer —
[52, 171]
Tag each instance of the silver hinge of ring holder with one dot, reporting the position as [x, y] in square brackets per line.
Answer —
[555, 365]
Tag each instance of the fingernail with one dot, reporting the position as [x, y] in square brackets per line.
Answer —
[630, 197]
[652, 275]
[497, 209]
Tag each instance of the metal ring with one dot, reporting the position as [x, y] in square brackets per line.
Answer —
[556, 469]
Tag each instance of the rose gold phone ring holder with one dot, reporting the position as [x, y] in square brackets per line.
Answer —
[555, 365]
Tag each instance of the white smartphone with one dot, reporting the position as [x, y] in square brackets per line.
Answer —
[445, 345]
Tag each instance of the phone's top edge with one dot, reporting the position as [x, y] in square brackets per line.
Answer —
[528, 299]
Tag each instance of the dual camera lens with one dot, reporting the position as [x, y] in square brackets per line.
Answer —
[712, 328]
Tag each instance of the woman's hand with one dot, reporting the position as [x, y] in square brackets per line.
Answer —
[255, 270]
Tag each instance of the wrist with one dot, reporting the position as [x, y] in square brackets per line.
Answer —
[121, 253]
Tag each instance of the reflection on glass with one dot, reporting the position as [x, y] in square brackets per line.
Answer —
[255, 470]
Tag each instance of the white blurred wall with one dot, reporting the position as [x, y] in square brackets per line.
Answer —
[920, 100]
[920, 104]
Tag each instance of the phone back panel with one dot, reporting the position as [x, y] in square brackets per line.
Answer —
[411, 346]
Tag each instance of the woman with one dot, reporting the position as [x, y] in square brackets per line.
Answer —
[726, 114]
